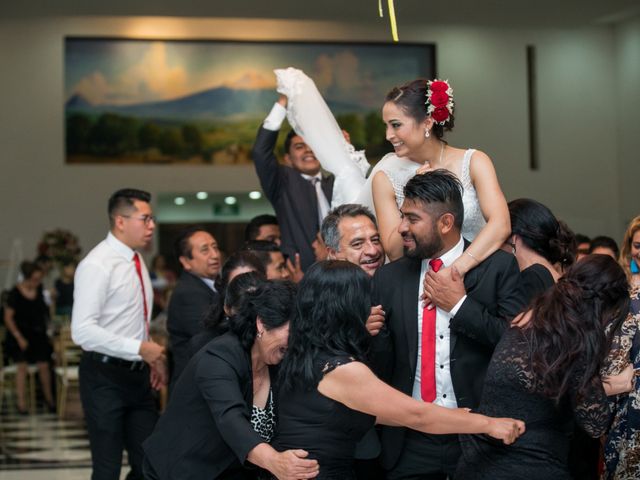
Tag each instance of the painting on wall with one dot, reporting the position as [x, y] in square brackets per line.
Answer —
[201, 102]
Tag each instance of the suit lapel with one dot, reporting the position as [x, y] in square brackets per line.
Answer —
[410, 314]
[469, 279]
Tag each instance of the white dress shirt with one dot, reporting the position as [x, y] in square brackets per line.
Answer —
[275, 118]
[108, 309]
[209, 283]
[445, 396]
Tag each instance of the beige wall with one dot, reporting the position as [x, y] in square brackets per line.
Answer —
[587, 126]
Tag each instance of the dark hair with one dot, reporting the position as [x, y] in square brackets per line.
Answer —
[217, 318]
[438, 187]
[182, 244]
[330, 225]
[262, 250]
[123, 200]
[253, 227]
[332, 306]
[539, 230]
[604, 242]
[568, 324]
[28, 268]
[288, 139]
[580, 238]
[272, 301]
[411, 98]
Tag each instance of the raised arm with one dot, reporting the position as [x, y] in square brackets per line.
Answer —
[355, 386]
[494, 209]
[388, 215]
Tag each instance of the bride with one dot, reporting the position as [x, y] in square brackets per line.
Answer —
[416, 116]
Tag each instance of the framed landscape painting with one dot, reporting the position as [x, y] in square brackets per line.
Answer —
[201, 102]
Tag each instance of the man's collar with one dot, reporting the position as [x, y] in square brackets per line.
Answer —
[124, 250]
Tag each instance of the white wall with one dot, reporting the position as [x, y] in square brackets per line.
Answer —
[627, 50]
[584, 134]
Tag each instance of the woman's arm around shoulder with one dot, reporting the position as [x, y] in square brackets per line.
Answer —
[494, 209]
[354, 385]
[387, 214]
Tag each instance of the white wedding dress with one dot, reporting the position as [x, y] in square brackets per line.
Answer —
[311, 118]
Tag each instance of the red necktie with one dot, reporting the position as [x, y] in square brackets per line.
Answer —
[136, 260]
[428, 363]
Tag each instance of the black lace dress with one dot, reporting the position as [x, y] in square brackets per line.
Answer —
[326, 429]
[542, 452]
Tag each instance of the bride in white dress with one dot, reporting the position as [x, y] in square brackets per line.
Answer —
[416, 116]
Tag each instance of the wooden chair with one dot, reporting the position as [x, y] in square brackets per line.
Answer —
[68, 356]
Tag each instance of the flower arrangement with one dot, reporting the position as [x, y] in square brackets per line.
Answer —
[439, 100]
[59, 245]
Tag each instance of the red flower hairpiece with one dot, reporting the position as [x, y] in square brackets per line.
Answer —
[439, 100]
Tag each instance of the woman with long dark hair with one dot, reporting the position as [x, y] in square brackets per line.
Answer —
[547, 373]
[328, 397]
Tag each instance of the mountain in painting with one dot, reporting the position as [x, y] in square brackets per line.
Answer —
[216, 103]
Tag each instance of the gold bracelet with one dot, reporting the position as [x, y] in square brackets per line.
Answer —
[469, 253]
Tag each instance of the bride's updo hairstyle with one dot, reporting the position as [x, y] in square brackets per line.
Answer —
[412, 99]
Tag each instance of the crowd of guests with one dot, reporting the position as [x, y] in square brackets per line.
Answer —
[434, 332]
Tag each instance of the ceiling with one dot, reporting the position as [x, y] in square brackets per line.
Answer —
[500, 13]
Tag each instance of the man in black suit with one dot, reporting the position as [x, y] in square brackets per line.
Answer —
[194, 293]
[440, 352]
[300, 193]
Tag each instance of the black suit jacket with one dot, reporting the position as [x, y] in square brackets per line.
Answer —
[189, 305]
[293, 198]
[492, 300]
[206, 427]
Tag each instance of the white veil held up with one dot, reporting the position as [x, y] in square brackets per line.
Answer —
[311, 118]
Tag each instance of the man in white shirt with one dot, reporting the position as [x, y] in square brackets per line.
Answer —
[299, 193]
[438, 354]
[110, 321]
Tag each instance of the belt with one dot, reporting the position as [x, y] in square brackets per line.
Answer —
[120, 362]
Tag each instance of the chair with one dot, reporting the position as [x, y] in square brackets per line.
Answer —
[68, 356]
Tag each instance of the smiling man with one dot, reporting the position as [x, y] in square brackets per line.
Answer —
[350, 233]
[194, 293]
[299, 193]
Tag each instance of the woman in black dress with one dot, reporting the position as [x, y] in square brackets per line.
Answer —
[25, 316]
[328, 398]
[546, 373]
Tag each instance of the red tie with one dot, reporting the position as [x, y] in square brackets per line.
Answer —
[428, 363]
[136, 260]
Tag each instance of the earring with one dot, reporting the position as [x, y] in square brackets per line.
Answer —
[427, 133]
[259, 335]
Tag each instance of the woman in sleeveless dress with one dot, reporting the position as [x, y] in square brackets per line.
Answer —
[416, 115]
[328, 398]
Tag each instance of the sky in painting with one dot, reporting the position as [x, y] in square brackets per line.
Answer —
[122, 72]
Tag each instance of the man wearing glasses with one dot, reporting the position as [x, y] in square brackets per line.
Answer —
[110, 321]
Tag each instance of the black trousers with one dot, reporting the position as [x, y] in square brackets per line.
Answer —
[427, 457]
[120, 413]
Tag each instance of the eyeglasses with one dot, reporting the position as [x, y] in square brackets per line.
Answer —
[146, 219]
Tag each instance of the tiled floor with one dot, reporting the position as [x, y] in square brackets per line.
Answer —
[40, 446]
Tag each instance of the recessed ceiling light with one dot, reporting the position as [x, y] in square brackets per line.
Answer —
[179, 201]
[202, 195]
[255, 195]
[230, 200]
